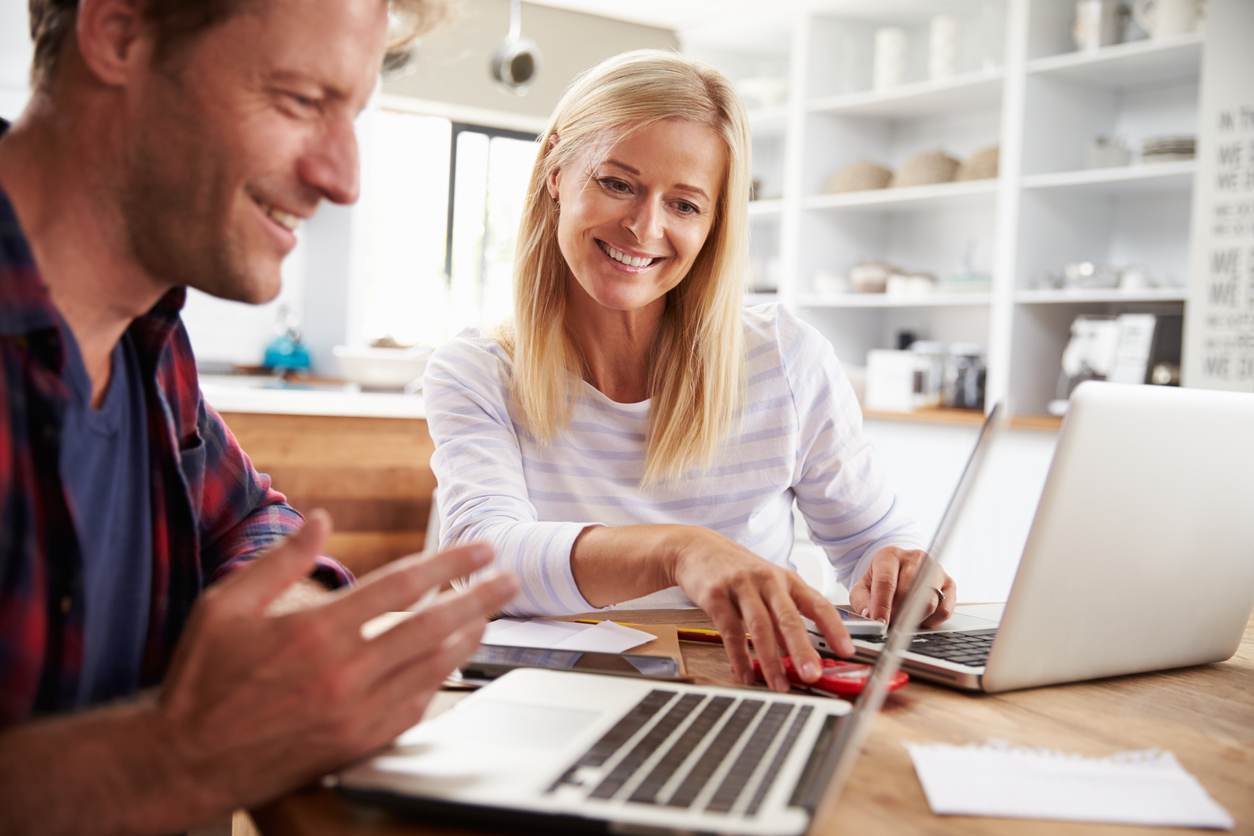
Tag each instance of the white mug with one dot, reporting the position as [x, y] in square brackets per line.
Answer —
[1098, 23]
[1166, 18]
[890, 57]
[942, 57]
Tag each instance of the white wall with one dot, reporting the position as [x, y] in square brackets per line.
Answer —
[923, 463]
[15, 55]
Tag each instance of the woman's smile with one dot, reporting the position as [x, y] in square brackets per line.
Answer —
[628, 260]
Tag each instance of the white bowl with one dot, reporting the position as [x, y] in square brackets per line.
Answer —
[382, 368]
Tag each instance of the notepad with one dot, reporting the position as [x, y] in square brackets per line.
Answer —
[602, 637]
[1147, 787]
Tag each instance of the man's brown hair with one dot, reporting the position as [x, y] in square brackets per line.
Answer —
[177, 21]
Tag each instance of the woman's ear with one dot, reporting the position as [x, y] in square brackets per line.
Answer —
[554, 182]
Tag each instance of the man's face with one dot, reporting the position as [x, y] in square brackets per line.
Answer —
[239, 136]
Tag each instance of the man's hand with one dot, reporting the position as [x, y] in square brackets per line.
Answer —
[742, 593]
[254, 703]
[258, 703]
[883, 586]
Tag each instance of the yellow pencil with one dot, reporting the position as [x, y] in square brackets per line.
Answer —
[691, 634]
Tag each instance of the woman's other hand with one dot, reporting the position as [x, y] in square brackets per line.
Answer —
[742, 593]
[883, 587]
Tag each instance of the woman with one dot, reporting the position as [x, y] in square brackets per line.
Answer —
[635, 432]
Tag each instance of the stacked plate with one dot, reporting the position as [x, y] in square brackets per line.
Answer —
[1162, 149]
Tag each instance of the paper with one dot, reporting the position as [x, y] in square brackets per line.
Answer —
[603, 637]
[1146, 787]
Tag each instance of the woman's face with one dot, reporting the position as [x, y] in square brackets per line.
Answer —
[631, 224]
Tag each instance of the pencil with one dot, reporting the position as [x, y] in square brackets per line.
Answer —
[688, 634]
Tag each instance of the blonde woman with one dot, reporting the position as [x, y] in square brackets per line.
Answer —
[635, 434]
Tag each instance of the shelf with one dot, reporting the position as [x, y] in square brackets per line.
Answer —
[1050, 423]
[962, 418]
[951, 195]
[1146, 178]
[1077, 296]
[761, 299]
[772, 207]
[933, 415]
[881, 300]
[1135, 64]
[971, 91]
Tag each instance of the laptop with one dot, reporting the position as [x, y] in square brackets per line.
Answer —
[559, 751]
[1140, 556]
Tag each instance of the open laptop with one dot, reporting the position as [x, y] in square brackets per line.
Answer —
[558, 751]
[1140, 556]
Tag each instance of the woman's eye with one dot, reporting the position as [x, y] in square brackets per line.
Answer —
[686, 208]
[614, 185]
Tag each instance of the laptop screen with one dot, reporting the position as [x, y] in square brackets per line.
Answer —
[857, 725]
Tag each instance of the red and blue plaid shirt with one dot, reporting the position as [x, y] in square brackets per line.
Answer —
[210, 508]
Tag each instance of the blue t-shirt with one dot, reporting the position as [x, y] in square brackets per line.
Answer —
[104, 467]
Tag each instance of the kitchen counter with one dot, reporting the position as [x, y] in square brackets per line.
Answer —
[271, 396]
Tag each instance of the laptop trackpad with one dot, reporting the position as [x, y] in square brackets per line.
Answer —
[485, 736]
[518, 724]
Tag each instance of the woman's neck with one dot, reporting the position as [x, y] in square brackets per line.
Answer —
[616, 346]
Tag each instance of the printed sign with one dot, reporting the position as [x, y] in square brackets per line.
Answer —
[1219, 318]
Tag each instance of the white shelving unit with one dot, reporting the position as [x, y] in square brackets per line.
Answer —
[1021, 86]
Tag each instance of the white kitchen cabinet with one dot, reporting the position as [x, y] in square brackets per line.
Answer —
[1020, 84]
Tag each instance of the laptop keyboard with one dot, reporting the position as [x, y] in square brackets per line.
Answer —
[689, 761]
[965, 648]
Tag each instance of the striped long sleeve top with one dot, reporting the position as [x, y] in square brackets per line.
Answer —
[800, 438]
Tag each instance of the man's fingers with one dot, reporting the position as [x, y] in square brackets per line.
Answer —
[400, 584]
[450, 613]
[403, 697]
[255, 586]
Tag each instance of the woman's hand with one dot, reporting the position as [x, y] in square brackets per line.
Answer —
[883, 587]
[742, 593]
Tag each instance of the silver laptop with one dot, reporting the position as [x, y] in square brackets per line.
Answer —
[549, 750]
[1140, 556]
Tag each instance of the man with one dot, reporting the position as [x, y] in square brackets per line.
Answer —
[174, 143]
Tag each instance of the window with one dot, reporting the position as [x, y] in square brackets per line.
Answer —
[444, 201]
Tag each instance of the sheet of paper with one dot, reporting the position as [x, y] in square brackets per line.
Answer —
[605, 637]
[1146, 787]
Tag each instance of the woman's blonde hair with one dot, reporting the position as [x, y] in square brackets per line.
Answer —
[696, 387]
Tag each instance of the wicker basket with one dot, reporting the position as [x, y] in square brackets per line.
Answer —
[981, 166]
[925, 169]
[859, 177]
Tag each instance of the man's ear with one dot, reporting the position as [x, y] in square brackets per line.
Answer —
[112, 38]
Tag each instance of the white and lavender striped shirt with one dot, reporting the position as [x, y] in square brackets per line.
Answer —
[801, 437]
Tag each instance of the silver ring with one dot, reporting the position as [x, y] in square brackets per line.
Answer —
[941, 594]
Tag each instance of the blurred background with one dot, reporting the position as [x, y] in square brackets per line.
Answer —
[974, 200]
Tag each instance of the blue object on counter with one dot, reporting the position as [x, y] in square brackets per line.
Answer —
[287, 352]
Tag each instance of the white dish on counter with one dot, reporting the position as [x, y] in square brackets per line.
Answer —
[383, 368]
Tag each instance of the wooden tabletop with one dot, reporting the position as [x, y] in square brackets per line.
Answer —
[1204, 714]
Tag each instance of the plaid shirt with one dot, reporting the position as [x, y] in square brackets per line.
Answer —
[210, 509]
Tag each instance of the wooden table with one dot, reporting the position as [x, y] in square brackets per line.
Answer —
[1203, 714]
